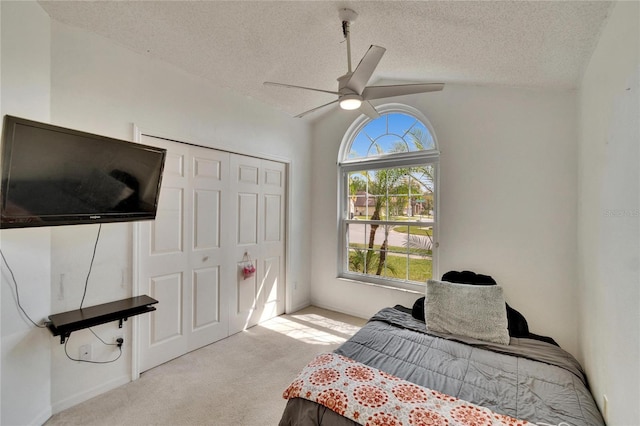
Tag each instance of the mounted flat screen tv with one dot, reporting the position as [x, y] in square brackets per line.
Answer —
[57, 176]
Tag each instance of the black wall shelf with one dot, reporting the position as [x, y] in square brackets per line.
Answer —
[63, 324]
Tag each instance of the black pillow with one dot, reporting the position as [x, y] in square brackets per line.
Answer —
[517, 326]
[468, 277]
[418, 309]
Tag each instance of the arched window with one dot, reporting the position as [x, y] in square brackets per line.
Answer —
[388, 197]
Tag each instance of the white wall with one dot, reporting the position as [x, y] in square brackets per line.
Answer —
[57, 74]
[508, 182]
[609, 216]
[100, 87]
[25, 366]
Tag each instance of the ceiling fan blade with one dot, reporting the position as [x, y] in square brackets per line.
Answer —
[365, 69]
[291, 86]
[367, 109]
[377, 92]
[302, 114]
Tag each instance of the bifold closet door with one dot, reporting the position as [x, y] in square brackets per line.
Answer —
[183, 259]
[258, 188]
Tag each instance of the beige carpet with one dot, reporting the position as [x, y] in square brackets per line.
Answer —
[236, 381]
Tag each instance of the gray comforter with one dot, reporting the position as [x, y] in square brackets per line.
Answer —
[527, 379]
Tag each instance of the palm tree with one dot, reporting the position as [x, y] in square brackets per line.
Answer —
[376, 187]
[422, 175]
[384, 184]
[422, 243]
[380, 183]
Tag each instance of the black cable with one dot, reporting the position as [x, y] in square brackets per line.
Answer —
[15, 284]
[108, 344]
[86, 360]
[86, 282]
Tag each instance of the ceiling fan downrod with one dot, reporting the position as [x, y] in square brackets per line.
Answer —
[347, 16]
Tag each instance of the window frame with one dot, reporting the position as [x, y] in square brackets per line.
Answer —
[384, 161]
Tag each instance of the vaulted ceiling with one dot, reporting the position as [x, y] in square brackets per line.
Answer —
[241, 44]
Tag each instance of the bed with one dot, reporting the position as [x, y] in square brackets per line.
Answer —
[436, 377]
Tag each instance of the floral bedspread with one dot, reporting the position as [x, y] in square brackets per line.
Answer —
[369, 396]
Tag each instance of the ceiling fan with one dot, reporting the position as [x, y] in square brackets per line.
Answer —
[353, 92]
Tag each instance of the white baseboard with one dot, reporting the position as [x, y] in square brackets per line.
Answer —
[341, 311]
[41, 418]
[88, 394]
[300, 306]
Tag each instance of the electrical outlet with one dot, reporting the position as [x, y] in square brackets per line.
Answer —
[85, 352]
[605, 407]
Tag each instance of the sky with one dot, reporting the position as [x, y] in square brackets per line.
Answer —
[384, 132]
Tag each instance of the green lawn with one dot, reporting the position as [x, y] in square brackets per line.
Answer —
[415, 230]
[420, 265]
[400, 250]
[420, 268]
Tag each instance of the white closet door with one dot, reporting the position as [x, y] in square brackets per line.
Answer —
[210, 261]
[214, 207]
[273, 241]
[258, 187]
[182, 258]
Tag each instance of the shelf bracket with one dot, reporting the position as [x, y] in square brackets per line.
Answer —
[63, 337]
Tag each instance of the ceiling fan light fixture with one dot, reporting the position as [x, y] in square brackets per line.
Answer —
[350, 102]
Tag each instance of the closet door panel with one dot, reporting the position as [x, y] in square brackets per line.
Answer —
[217, 213]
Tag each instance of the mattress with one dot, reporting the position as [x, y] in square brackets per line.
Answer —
[528, 379]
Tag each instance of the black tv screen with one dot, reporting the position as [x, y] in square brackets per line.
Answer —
[57, 176]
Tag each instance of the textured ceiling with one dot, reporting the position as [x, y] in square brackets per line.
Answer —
[240, 44]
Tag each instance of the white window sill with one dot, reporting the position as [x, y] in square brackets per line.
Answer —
[417, 290]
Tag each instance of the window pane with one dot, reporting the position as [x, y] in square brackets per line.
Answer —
[391, 133]
[395, 251]
[420, 269]
[357, 235]
[392, 194]
[356, 260]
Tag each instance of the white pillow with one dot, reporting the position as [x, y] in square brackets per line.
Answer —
[476, 311]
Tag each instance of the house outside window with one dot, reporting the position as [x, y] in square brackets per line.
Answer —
[388, 170]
